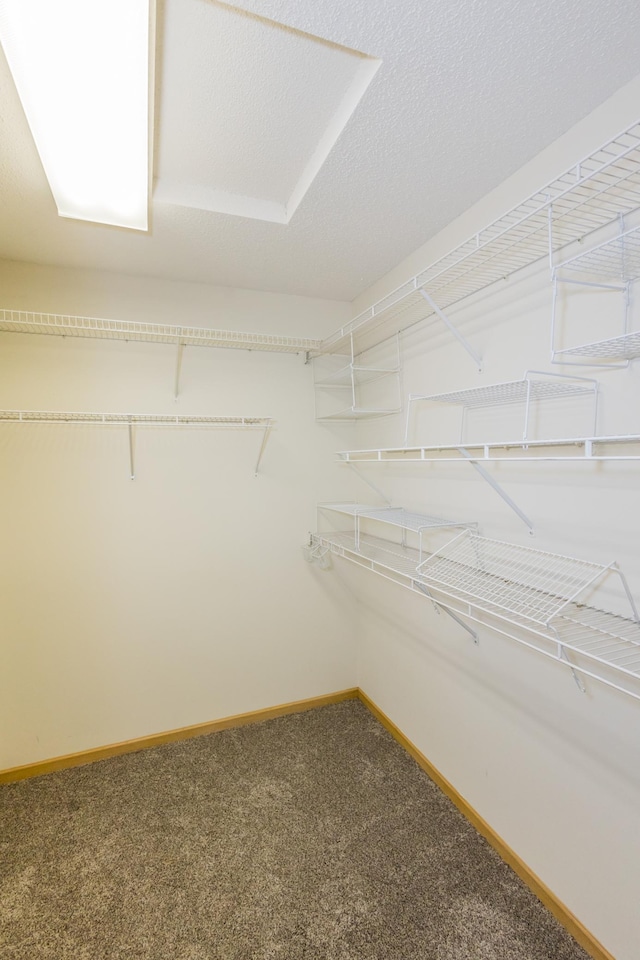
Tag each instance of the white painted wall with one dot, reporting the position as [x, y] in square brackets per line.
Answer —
[129, 608]
[556, 773]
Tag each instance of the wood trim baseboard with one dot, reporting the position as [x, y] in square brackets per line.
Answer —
[41, 767]
[555, 906]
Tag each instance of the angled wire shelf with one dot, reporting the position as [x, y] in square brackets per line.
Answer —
[526, 584]
[530, 596]
[590, 194]
[20, 321]
[131, 420]
[613, 265]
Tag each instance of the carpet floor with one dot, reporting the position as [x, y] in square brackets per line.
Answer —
[310, 837]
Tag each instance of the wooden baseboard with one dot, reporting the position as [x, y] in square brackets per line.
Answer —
[182, 733]
[555, 906]
[562, 913]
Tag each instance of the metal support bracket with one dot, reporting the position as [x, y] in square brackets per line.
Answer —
[176, 386]
[465, 343]
[265, 437]
[369, 483]
[562, 655]
[131, 462]
[454, 616]
[484, 473]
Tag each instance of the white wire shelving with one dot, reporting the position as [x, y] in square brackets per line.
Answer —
[536, 598]
[589, 195]
[131, 420]
[95, 328]
[347, 385]
[20, 321]
[613, 265]
[534, 386]
[405, 520]
[572, 448]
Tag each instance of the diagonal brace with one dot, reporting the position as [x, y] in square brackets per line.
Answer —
[484, 473]
[465, 343]
[454, 616]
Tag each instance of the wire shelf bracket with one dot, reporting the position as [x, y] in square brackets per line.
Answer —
[130, 420]
[493, 483]
[454, 330]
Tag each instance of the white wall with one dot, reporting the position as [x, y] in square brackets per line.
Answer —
[555, 772]
[129, 608]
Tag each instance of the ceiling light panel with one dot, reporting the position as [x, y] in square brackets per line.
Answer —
[81, 68]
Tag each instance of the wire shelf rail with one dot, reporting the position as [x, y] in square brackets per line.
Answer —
[590, 194]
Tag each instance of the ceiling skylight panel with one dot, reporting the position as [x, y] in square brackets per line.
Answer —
[81, 68]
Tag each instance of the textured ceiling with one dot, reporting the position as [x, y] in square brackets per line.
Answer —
[266, 105]
[466, 93]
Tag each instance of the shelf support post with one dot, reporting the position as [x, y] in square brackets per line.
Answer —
[465, 343]
[484, 473]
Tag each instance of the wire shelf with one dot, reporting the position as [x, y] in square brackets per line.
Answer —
[19, 321]
[573, 448]
[516, 391]
[529, 584]
[395, 516]
[536, 385]
[39, 416]
[614, 260]
[591, 194]
[625, 347]
[345, 376]
[142, 419]
[357, 413]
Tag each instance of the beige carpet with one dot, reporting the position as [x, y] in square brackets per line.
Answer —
[312, 836]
